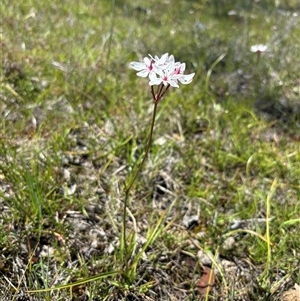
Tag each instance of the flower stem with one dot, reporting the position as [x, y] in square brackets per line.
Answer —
[252, 75]
[129, 186]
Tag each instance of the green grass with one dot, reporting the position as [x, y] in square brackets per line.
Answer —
[74, 123]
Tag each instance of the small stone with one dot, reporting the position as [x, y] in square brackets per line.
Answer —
[190, 221]
[228, 244]
[109, 249]
[204, 258]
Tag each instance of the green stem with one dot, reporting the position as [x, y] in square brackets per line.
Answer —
[146, 151]
[254, 70]
[128, 188]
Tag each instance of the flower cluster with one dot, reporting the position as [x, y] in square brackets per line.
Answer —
[259, 48]
[163, 70]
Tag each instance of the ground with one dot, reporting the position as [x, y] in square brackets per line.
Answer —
[214, 213]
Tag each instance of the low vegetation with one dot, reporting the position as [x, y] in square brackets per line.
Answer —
[215, 212]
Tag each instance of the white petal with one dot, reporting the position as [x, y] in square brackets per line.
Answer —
[158, 70]
[171, 59]
[170, 68]
[189, 76]
[176, 76]
[154, 80]
[259, 48]
[138, 66]
[163, 58]
[182, 67]
[143, 73]
[177, 65]
[152, 76]
[157, 81]
[147, 61]
[186, 79]
[263, 48]
[173, 83]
